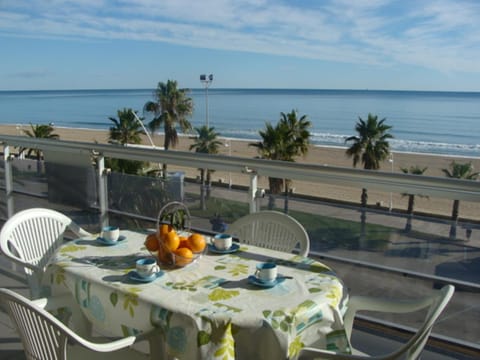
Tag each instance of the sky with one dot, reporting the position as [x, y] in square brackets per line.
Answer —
[308, 44]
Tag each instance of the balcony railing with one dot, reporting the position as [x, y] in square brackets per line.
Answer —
[370, 248]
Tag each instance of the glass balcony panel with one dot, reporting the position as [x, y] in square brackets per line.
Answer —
[376, 251]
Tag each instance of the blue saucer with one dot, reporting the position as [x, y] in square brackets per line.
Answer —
[106, 242]
[232, 249]
[133, 275]
[266, 284]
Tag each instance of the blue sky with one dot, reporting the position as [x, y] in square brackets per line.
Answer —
[336, 44]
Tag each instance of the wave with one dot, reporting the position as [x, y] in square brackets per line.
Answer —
[406, 145]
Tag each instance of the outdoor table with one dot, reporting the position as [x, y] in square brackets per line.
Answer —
[208, 309]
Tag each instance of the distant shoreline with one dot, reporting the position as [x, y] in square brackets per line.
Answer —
[323, 155]
[256, 140]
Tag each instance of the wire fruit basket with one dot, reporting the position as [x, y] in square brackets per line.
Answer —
[178, 246]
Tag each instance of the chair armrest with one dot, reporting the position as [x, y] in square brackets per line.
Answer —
[11, 256]
[314, 353]
[106, 347]
[77, 230]
[368, 303]
[54, 302]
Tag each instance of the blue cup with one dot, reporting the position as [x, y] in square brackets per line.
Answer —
[266, 271]
[110, 233]
[222, 241]
[147, 267]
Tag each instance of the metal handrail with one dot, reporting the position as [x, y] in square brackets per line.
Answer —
[454, 189]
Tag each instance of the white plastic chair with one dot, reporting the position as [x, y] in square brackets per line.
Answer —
[30, 237]
[273, 230]
[412, 349]
[45, 337]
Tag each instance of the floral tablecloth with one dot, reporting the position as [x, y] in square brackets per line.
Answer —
[208, 309]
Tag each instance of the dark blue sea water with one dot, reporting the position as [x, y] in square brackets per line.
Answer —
[426, 122]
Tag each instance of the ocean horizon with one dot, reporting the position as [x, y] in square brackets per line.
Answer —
[437, 122]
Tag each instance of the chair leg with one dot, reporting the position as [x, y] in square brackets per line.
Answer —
[158, 350]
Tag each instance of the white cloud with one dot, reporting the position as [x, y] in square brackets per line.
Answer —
[436, 34]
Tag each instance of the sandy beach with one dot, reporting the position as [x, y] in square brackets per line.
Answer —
[317, 155]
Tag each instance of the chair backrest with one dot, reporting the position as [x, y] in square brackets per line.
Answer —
[30, 237]
[42, 336]
[45, 337]
[272, 230]
[413, 348]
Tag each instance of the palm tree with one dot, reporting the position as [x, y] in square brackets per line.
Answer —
[125, 130]
[285, 141]
[39, 131]
[414, 170]
[171, 108]
[370, 146]
[459, 171]
[206, 142]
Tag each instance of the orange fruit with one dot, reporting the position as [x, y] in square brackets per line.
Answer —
[151, 242]
[164, 229]
[183, 256]
[183, 242]
[197, 242]
[171, 241]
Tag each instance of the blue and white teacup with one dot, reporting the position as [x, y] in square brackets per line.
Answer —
[146, 267]
[266, 271]
[222, 241]
[110, 233]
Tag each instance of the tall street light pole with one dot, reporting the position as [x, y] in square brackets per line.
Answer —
[206, 81]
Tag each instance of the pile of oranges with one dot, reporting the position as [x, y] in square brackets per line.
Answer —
[173, 249]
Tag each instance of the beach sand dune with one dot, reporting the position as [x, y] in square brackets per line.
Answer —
[333, 156]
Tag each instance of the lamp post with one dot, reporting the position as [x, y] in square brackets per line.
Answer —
[206, 80]
[390, 160]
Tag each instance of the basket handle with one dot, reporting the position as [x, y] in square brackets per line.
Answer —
[176, 205]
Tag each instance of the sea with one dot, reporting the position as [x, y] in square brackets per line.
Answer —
[422, 121]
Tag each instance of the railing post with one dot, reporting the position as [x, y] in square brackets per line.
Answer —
[8, 180]
[102, 190]
[252, 192]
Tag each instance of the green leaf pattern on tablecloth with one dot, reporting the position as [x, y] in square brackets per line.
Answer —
[285, 321]
[279, 320]
[295, 346]
[233, 265]
[207, 282]
[320, 282]
[336, 295]
[114, 298]
[203, 338]
[130, 300]
[226, 348]
[222, 294]
[71, 248]
[58, 277]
